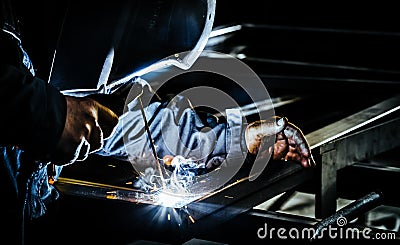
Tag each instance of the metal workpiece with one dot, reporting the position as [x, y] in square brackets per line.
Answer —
[241, 195]
[194, 217]
[358, 146]
[325, 135]
[348, 213]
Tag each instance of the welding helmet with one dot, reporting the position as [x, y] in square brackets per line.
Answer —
[106, 42]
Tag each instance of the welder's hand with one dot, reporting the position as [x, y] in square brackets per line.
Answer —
[87, 124]
[290, 142]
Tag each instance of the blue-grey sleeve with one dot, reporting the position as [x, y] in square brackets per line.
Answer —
[176, 129]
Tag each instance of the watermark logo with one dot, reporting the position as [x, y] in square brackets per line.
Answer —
[341, 221]
[338, 231]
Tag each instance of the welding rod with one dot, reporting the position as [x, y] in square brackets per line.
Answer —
[146, 126]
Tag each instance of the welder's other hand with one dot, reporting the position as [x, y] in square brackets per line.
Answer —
[87, 124]
[290, 142]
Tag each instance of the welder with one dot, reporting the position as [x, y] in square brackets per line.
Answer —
[42, 127]
[39, 125]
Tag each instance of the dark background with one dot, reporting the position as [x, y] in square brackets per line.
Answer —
[352, 15]
[40, 22]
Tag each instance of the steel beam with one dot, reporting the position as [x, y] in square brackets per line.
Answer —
[348, 150]
[242, 195]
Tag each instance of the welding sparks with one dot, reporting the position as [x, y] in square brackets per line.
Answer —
[173, 191]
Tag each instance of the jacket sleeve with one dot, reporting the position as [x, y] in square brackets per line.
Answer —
[33, 112]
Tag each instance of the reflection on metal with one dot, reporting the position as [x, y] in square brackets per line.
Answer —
[97, 190]
[353, 122]
[260, 106]
[87, 189]
[225, 30]
[320, 65]
[355, 147]
[220, 34]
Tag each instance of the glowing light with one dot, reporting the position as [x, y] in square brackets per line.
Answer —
[241, 56]
[191, 218]
[172, 200]
[174, 190]
[111, 195]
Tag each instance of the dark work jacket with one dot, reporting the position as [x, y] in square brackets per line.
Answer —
[33, 117]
